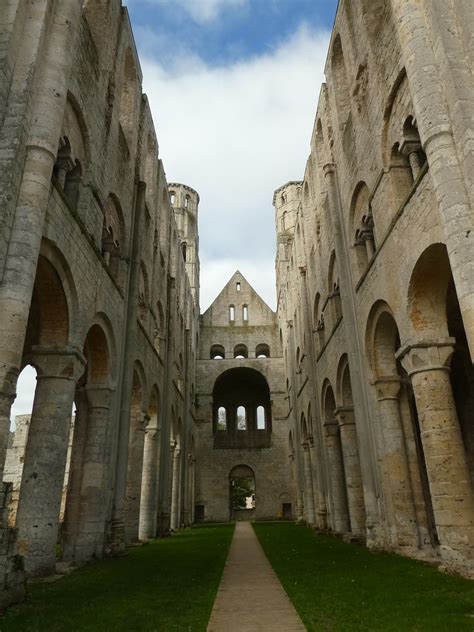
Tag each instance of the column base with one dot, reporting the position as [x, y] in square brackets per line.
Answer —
[12, 574]
[163, 526]
[117, 542]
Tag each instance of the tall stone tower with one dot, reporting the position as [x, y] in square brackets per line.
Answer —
[286, 200]
[185, 202]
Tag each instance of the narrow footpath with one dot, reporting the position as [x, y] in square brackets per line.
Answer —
[250, 597]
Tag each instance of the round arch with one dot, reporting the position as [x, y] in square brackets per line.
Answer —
[242, 392]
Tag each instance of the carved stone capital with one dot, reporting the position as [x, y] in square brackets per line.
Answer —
[58, 361]
[345, 416]
[331, 428]
[99, 396]
[329, 168]
[409, 146]
[428, 355]
[388, 387]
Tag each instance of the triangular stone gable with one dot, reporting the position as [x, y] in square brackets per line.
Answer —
[258, 312]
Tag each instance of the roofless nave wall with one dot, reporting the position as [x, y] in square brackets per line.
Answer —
[351, 408]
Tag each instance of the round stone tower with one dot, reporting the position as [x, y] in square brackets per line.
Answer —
[286, 201]
[185, 203]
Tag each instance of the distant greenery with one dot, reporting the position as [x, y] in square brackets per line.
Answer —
[165, 586]
[341, 587]
[240, 489]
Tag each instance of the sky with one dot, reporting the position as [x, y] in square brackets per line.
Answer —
[233, 88]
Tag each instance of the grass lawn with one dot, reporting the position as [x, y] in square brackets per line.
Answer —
[342, 587]
[164, 586]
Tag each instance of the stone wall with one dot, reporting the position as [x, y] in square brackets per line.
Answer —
[217, 454]
[374, 295]
[93, 289]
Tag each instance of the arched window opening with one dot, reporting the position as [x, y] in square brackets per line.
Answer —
[143, 295]
[67, 172]
[245, 313]
[340, 82]
[241, 418]
[221, 418]
[232, 313]
[362, 226]
[333, 289]
[283, 198]
[217, 352]
[20, 418]
[240, 390]
[159, 329]
[129, 99]
[237, 286]
[113, 237]
[262, 351]
[186, 201]
[240, 352]
[184, 249]
[261, 418]
[172, 198]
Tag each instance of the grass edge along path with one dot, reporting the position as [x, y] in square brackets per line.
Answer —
[342, 587]
[165, 586]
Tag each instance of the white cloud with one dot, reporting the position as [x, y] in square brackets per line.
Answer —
[200, 11]
[235, 134]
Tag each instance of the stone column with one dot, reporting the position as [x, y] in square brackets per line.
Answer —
[356, 356]
[339, 514]
[7, 397]
[91, 528]
[193, 490]
[134, 475]
[299, 501]
[176, 452]
[316, 444]
[41, 489]
[320, 505]
[398, 493]
[190, 509]
[448, 473]
[435, 125]
[309, 488]
[149, 500]
[73, 498]
[350, 455]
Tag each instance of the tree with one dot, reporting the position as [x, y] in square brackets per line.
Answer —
[240, 490]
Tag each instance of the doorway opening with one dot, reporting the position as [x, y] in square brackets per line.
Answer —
[242, 493]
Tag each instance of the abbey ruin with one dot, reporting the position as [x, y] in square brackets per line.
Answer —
[350, 407]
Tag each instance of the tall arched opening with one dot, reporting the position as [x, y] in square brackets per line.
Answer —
[241, 410]
[242, 499]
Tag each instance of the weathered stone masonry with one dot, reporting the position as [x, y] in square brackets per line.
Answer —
[93, 292]
[350, 408]
[375, 279]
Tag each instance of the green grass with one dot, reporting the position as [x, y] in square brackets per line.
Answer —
[166, 585]
[342, 587]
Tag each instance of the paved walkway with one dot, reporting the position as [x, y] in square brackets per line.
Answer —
[250, 597]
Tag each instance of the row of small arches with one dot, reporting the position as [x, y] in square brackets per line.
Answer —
[241, 418]
[217, 352]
